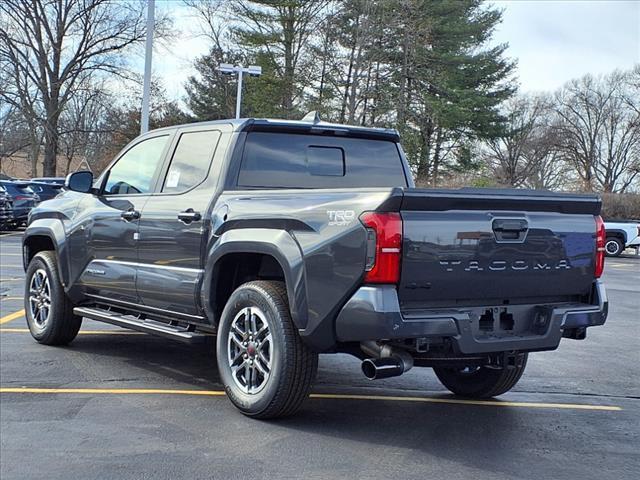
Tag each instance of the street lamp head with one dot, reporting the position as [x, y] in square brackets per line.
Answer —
[254, 70]
[226, 68]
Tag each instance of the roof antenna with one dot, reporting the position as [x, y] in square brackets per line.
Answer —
[312, 117]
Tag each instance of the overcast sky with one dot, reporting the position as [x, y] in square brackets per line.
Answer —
[553, 41]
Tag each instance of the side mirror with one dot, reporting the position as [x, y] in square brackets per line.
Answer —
[79, 181]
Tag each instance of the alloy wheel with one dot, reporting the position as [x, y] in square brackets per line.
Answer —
[40, 298]
[249, 350]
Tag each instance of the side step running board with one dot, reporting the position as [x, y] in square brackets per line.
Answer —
[140, 325]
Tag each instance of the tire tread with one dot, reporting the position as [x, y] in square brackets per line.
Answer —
[64, 323]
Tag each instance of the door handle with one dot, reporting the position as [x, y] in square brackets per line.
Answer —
[189, 216]
[130, 215]
[513, 230]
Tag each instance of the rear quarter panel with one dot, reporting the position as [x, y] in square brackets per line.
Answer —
[331, 240]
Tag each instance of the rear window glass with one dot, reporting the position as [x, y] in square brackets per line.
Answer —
[286, 160]
[16, 189]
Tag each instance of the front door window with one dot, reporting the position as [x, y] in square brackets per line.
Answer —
[135, 171]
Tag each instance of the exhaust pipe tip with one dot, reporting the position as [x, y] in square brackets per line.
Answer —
[375, 368]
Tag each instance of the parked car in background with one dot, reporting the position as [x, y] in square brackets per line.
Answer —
[23, 198]
[621, 235]
[6, 209]
[53, 180]
[44, 190]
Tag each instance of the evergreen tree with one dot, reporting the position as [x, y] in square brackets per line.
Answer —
[450, 84]
[280, 32]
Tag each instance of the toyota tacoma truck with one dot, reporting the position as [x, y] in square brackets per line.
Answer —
[286, 239]
[621, 235]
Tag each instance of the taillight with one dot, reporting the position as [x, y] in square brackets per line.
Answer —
[601, 234]
[384, 246]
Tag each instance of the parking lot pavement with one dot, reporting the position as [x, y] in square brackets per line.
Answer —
[118, 404]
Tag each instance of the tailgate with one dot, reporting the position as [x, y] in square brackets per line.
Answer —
[495, 247]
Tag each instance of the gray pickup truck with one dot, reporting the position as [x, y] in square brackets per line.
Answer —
[286, 239]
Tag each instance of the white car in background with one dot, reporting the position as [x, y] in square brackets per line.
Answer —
[621, 235]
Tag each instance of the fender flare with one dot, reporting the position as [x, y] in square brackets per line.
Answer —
[617, 233]
[54, 230]
[280, 245]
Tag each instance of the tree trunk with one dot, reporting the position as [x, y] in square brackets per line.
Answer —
[436, 157]
[423, 174]
[34, 154]
[345, 98]
[289, 74]
[49, 166]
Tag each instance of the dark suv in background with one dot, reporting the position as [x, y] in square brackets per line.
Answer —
[23, 199]
[45, 190]
[6, 209]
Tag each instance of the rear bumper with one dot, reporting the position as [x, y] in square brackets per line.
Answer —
[373, 313]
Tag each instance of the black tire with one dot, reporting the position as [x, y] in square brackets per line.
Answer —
[60, 325]
[482, 382]
[613, 247]
[292, 365]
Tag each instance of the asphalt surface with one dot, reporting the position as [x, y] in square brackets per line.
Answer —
[575, 414]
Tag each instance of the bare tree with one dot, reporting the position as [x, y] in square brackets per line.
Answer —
[82, 125]
[51, 47]
[517, 154]
[599, 128]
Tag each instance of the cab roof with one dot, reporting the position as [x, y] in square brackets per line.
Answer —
[297, 126]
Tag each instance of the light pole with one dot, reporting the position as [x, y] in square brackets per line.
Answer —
[229, 69]
[146, 86]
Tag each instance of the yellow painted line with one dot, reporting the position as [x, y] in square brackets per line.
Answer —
[12, 316]
[4, 265]
[491, 403]
[81, 332]
[11, 254]
[329, 396]
[11, 298]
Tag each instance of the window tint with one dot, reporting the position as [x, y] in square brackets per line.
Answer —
[191, 160]
[135, 170]
[286, 160]
[325, 161]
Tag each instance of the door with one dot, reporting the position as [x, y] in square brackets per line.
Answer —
[173, 223]
[112, 220]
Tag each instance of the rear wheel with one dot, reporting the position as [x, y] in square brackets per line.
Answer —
[48, 310]
[482, 382]
[266, 369]
[613, 246]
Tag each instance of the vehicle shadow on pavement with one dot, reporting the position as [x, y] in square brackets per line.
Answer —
[502, 441]
[169, 360]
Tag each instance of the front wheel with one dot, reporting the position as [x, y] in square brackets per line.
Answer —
[482, 382]
[48, 310]
[266, 369]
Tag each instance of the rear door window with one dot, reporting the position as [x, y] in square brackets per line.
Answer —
[287, 160]
[191, 161]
